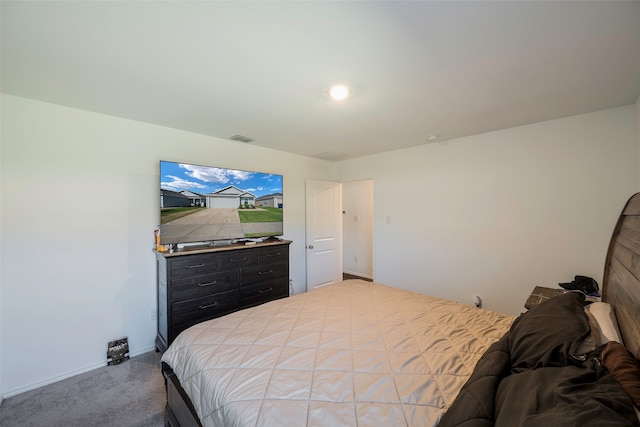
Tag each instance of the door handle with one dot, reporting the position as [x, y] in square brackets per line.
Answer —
[310, 247]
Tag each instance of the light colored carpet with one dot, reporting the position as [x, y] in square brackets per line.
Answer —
[129, 394]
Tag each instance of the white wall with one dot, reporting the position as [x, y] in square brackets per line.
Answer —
[498, 213]
[638, 142]
[79, 205]
[357, 228]
[1, 222]
[492, 214]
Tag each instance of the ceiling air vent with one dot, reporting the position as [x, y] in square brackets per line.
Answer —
[330, 155]
[241, 138]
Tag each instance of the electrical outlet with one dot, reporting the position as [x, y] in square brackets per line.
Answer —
[477, 301]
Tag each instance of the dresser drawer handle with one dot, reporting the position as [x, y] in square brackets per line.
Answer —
[207, 284]
[239, 259]
[264, 291]
[270, 255]
[265, 272]
[202, 307]
[195, 266]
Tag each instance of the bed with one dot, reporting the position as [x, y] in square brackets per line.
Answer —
[358, 353]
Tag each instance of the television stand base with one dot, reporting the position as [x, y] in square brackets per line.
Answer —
[221, 243]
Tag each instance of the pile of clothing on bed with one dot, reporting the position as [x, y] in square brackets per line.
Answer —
[539, 374]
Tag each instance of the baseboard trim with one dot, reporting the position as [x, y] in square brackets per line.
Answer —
[55, 379]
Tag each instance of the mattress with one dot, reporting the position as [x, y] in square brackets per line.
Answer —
[352, 353]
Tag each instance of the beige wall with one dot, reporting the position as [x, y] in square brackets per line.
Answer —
[498, 213]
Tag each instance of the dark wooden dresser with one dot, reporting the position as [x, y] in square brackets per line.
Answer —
[198, 285]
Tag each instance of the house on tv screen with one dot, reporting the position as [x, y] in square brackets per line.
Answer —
[270, 201]
[230, 197]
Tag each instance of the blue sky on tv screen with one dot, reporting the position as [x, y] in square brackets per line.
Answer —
[205, 179]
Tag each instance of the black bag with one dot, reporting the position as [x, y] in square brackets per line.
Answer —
[584, 284]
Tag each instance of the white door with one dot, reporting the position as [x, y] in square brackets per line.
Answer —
[323, 233]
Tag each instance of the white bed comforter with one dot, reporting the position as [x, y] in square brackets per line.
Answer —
[353, 353]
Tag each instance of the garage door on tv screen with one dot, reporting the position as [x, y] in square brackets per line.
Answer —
[210, 204]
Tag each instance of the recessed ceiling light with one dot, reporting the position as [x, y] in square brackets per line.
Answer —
[339, 92]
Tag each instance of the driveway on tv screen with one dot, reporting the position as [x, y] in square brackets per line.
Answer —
[216, 223]
[205, 224]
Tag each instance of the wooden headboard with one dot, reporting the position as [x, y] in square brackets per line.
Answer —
[621, 280]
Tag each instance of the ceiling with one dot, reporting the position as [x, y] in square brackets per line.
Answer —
[262, 69]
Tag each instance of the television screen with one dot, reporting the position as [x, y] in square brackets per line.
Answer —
[209, 204]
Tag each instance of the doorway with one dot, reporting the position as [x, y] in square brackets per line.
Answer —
[339, 231]
[357, 229]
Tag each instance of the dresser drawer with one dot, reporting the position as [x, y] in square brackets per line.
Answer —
[196, 286]
[258, 294]
[237, 259]
[203, 308]
[194, 264]
[273, 254]
[263, 273]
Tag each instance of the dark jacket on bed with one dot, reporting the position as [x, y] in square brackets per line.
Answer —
[530, 378]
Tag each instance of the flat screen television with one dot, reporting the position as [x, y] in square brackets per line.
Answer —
[212, 205]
